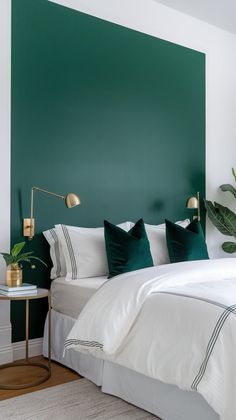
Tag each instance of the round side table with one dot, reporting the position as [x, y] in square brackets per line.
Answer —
[41, 293]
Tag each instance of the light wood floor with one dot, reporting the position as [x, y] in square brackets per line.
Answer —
[22, 374]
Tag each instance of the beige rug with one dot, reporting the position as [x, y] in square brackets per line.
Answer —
[77, 400]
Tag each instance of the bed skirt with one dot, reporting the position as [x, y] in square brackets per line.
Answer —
[165, 401]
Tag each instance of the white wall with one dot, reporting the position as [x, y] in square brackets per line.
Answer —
[153, 18]
[5, 80]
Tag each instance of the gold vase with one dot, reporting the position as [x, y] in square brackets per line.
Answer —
[14, 275]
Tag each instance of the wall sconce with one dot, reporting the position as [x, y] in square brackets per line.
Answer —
[71, 200]
[194, 203]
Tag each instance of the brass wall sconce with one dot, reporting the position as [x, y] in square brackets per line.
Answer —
[194, 203]
[71, 200]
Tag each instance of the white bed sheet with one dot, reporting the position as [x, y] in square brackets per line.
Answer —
[69, 297]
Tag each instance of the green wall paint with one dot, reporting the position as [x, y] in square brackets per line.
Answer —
[110, 113]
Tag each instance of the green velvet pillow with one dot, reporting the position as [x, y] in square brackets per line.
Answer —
[185, 244]
[126, 251]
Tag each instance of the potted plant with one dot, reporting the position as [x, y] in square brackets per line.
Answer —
[13, 262]
[223, 218]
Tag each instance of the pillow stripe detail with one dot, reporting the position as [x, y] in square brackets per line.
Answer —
[57, 251]
[71, 252]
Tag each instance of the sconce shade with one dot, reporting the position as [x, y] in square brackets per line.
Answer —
[72, 200]
[192, 203]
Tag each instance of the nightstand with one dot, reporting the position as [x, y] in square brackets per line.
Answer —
[41, 293]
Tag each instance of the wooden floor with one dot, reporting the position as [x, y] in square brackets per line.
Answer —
[22, 374]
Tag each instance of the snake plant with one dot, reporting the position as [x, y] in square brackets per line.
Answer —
[15, 257]
[223, 218]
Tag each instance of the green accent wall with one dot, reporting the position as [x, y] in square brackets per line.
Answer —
[110, 113]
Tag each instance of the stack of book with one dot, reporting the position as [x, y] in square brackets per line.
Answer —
[24, 289]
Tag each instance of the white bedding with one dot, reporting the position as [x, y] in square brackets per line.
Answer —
[165, 401]
[69, 298]
[175, 323]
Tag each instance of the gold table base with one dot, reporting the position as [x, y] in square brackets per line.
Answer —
[41, 293]
[28, 385]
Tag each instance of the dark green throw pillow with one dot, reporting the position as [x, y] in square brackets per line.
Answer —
[126, 251]
[185, 244]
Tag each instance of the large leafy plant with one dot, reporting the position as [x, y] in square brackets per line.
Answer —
[16, 257]
[223, 218]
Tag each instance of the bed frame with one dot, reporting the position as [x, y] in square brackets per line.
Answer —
[163, 400]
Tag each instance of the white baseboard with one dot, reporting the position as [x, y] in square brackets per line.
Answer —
[35, 348]
[6, 354]
[5, 335]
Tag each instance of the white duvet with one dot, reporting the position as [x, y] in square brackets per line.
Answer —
[175, 323]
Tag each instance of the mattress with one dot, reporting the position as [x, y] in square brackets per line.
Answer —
[69, 297]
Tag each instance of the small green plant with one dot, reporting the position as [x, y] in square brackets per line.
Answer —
[16, 257]
[223, 218]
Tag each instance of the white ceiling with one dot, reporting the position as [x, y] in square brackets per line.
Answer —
[221, 13]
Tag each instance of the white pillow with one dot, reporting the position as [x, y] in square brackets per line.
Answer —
[56, 253]
[157, 238]
[84, 250]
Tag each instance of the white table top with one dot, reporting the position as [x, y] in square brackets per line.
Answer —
[24, 296]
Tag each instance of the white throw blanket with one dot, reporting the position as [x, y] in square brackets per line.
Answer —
[175, 323]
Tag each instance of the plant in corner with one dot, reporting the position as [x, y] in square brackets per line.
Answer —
[13, 261]
[223, 218]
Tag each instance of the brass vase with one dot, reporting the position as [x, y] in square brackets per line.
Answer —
[14, 275]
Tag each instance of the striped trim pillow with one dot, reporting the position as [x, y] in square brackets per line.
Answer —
[56, 254]
[84, 250]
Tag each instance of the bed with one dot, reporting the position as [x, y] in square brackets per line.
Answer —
[163, 400]
[161, 335]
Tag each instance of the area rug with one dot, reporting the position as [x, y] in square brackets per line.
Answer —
[76, 400]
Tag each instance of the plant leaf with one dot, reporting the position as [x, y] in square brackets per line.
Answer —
[5, 254]
[17, 249]
[216, 218]
[21, 256]
[229, 247]
[229, 218]
[228, 188]
[234, 173]
[38, 259]
[8, 258]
